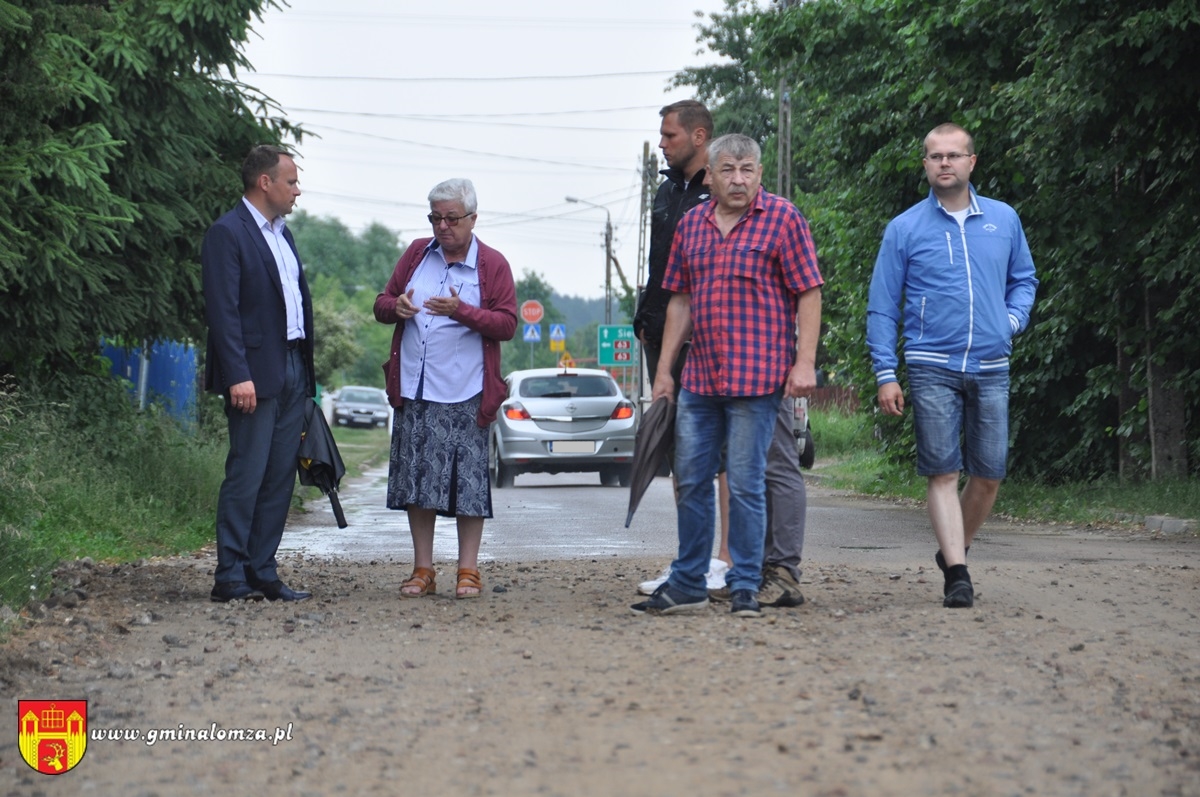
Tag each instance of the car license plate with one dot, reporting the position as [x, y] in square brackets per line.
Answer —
[572, 446]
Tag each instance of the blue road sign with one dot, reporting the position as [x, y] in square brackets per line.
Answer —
[533, 333]
[558, 332]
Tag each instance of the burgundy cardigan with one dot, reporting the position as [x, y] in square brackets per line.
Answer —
[495, 320]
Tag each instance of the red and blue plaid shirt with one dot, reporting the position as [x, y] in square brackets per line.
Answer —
[744, 290]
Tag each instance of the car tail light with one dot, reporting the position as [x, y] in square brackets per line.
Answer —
[623, 412]
[516, 412]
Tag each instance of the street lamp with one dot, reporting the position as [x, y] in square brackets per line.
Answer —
[607, 255]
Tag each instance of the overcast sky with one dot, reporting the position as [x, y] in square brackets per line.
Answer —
[531, 100]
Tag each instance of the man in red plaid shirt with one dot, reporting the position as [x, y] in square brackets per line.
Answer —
[747, 292]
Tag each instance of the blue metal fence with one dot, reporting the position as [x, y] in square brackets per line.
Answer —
[165, 376]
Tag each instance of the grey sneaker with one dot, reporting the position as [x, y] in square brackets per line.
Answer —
[779, 589]
[742, 603]
[668, 600]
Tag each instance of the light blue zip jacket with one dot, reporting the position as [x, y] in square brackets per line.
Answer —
[962, 294]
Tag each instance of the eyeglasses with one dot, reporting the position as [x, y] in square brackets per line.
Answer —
[451, 221]
[953, 157]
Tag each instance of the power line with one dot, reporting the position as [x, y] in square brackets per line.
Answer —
[506, 114]
[587, 23]
[509, 217]
[494, 218]
[489, 78]
[313, 147]
[410, 142]
[451, 120]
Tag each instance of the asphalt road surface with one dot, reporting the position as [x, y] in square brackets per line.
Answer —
[570, 516]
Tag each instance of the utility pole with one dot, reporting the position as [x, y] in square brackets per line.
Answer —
[608, 259]
[783, 135]
[649, 183]
[608, 255]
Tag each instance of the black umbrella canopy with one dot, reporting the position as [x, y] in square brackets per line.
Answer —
[655, 436]
[320, 464]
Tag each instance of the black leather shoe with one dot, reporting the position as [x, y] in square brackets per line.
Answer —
[234, 591]
[278, 591]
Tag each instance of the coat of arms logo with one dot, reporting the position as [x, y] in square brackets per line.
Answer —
[52, 734]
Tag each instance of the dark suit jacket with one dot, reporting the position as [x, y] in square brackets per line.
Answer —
[245, 310]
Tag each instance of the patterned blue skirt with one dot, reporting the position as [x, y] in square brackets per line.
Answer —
[440, 459]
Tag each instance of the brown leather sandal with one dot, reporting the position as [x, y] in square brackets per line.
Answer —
[423, 579]
[468, 578]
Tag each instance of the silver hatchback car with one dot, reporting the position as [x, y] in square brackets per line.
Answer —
[558, 420]
[355, 405]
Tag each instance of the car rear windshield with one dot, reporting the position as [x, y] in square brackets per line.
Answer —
[361, 397]
[567, 386]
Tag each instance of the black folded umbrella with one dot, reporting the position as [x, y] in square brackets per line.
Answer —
[655, 436]
[320, 465]
[802, 430]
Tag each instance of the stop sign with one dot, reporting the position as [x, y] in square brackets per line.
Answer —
[531, 311]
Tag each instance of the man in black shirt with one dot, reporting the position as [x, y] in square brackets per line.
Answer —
[685, 131]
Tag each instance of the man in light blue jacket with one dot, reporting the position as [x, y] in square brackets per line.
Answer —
[956, 270]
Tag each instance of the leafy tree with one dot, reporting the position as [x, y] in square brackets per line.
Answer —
[373, 338]
[516, 354]
[120, 141]
[335, 344]
[1085, 119]
[1108, 131]
[358, 262]
[625, 295]
[736, 91]
[582, 342]
[346, 273]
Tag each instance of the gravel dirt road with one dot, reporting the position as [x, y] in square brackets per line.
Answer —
[1077, 673]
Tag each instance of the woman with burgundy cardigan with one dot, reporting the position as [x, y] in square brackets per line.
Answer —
[453, 302]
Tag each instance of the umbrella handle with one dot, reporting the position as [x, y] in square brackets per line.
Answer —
[337, 509]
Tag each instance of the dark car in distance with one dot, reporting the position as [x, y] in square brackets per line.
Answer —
[355, 405]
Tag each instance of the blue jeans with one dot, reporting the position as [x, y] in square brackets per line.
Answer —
[703, 424]
[949, 407]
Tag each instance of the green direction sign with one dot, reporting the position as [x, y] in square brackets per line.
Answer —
[616, 346]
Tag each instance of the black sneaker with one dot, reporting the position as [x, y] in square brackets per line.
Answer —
[742, 603]
[959, 595]
[959, 592]
[941, 560]
[668, 600]
[779, 589]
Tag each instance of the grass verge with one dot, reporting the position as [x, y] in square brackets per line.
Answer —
[361, 450]
[97, 479]
[117, 486]
[848, 458]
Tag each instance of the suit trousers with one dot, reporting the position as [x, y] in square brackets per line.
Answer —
[260, 476]
[787, 501]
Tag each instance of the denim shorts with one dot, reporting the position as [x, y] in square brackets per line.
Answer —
[961, 421]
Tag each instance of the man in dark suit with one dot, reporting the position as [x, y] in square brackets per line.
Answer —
[260, 358]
